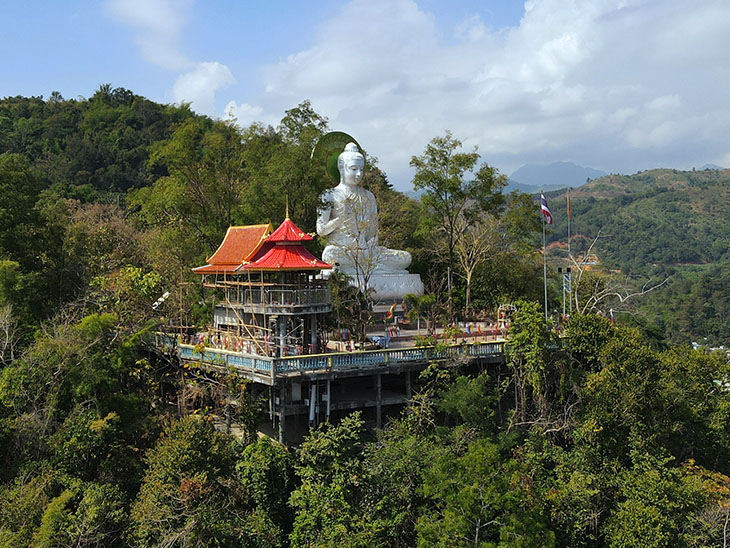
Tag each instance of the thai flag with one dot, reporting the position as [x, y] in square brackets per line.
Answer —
[546, 209]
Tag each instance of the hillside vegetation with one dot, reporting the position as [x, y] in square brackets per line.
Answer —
[660, 223]
[603, 438]
[662, 216]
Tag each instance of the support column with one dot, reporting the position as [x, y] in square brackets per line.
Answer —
[282, 335]
[409, 389]
[283, 400]
[378, 400]
[312, 404]
[329, 397]
[282, 425]
[313, 333]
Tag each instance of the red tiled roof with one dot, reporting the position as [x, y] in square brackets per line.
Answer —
[283, 251]
[239, 245]
[288, 232]
[261, 251]
[288, 257]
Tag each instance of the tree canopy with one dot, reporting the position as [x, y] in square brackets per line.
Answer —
[606, 436]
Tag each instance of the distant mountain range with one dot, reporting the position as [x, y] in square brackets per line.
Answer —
[532, 178]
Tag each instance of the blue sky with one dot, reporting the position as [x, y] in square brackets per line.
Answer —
[618, 85]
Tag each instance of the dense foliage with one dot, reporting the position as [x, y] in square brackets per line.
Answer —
[601, 442]
[604, 438]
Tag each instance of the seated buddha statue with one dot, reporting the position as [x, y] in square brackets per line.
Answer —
[348, 222]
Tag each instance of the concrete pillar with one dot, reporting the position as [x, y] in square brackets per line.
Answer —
[312, 404]
[282, 335]
[378, 400]
[313, 333]
[281, 408]
[329, 397]
[409, 389]
[282, 424]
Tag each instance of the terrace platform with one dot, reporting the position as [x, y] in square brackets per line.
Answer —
[307, 389]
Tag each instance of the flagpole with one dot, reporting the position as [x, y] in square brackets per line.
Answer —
[544, 263]
[570, 263]
[569, 255]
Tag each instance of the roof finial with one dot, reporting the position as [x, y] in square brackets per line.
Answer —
[287, 206]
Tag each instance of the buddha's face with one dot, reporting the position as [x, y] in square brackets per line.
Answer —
[353, 170]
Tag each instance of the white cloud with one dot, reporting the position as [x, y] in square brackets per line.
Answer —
[199, 86]
[619, 85]
[471, 29]
[158, 27]
[244, 114]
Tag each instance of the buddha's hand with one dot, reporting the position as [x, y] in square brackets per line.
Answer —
[327, 225]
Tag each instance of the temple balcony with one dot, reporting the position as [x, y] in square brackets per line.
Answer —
[276, 300]
[269, 370]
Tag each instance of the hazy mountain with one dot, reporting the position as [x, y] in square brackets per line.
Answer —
[711, 166]
[529, 189]
[535, 177]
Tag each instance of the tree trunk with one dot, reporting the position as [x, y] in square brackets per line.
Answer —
[468, 293]
[450, 273]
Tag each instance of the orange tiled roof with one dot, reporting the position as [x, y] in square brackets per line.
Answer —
[239, 245]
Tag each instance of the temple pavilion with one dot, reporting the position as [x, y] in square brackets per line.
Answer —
[268, 315]
[269, 294]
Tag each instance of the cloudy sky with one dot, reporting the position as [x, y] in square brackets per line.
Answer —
[617, 85]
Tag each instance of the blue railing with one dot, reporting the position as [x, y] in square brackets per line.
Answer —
[350, 360]
[334, 361]
[213, 356]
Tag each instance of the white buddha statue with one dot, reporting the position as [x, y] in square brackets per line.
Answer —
[348, 222]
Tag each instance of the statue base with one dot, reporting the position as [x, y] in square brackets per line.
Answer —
[391, 286]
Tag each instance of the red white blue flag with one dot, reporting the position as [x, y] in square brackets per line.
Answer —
[546, 210]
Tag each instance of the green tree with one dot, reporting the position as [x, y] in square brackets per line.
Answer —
[266, 470]
[84, 515]
[20, 185]
[421, 306]
[656, 502]
[480, 498]
[50, 509]
[190, 208]
[450, 195]
[537, 373]
[392, 498]
[473, 401]
[326, 503]
[279, 168]
[190, 497]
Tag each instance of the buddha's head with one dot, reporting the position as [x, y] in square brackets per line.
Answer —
[351, 165]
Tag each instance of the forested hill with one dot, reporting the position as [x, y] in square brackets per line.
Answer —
[88, 146]
[663, 224]
[659, 217]
[118, 183]
[600, 439]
